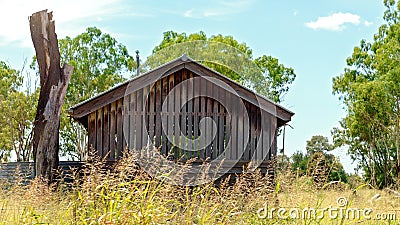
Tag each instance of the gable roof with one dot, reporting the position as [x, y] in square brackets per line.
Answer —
[81, 110]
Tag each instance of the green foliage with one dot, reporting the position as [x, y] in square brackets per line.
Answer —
[277, 78]
[318, 143]
[337, 172]
[10, 79]
[370, 91]
[265, 74]
[9, 83]
[318, 159]
[299, 163]
[100, 62]
[17, 114]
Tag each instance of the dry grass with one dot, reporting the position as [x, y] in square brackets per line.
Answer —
[130, 196]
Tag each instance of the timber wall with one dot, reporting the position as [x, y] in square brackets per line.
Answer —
[129, 121]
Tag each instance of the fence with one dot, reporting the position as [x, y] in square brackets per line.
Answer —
[24, 171]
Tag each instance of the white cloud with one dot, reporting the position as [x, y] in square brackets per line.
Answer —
[188, 13]
[215, 12]
[334, 22]
[69, 15]
[367, 23]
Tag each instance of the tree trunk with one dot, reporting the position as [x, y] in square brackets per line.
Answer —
[53, 82]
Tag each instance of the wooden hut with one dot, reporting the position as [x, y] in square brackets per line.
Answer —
[166, 105]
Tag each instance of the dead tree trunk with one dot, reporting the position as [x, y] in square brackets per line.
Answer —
[53, 86]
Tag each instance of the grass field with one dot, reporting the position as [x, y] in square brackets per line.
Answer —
[103, 197]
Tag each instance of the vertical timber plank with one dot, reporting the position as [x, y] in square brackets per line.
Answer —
[184, 113]
[245, 146]
[191, 154]
[240, 131]
[164, 130]
[266, 139]
[132, 121]
[113, 130]
[209, 108]
[259, 146]
[177, 97]
[221, 122]
[158, 110]
[215, 152]
[171, 119]
[92, 131]
[196, 111]
[203, 112]
[274, 130]
[99, 131]
[234, 122]
[228, 125]
[145, 117]
[152, 113]
[121, 143]
[126, 121]
[106, 131]
[253, 126]
[139, 120]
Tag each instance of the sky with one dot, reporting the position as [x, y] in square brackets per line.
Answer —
[312, 36]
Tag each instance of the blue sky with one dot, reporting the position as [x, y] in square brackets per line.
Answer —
[312, 36]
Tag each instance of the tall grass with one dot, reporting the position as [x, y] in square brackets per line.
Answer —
[127, 195]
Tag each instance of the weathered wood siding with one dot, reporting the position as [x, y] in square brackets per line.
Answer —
[139, 116]
[24, 171]
[16, 170]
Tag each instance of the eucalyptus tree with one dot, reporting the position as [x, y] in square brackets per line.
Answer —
[370, 91]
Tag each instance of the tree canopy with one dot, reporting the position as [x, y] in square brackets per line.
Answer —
[318, 143]
[226, 55]
[370, 91]
[99, 63]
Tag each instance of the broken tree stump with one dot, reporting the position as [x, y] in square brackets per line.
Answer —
[53, 86]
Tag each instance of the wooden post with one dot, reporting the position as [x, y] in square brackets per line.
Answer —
[53, 82]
